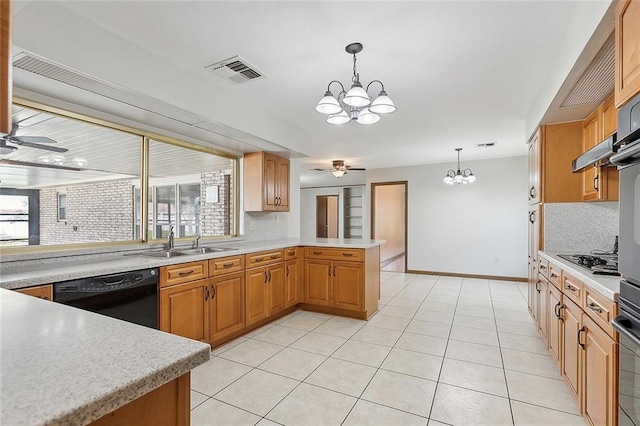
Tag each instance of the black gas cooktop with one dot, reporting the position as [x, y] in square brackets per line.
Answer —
[600, 264]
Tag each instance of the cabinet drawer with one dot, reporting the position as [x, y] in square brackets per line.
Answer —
[225, 265]
[543, 267]
[264, 258]
[292, 252]
[572, 288]
[555, 272]
[600, 309]
[354, 255]
[183, 272]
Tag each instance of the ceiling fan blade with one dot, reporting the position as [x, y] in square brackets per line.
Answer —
[45, 166]
[45, 147]
[357, 169]
[33, 139]
[322, 170]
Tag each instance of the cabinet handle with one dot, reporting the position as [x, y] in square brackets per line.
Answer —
[595, 182]
[543, 267]
[265, 277]
[316, 252]
[227, 265]
[531, 217]
[554, 275]
[556, 310]
[269, 275]
[334, 271]
[275, 256]
[206, 293]
[570, 287]
[291, 252]
[288, 267]
[258, 259]
[594, 307]
[347, 254]
[213, 291]
[531, 192]
[561, 317]
[582, 330]
[182, 274]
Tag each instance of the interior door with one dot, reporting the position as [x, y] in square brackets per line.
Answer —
[327, 216]
[389, 222]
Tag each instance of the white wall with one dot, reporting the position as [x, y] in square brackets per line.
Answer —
[470, 229]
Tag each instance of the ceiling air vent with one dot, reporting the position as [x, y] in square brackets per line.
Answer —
[485, 145]
[597, 81]
[236, 69]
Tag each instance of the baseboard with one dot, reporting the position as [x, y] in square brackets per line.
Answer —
[391, 260]
[453, 274]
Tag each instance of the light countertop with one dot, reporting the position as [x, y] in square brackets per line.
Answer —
[61, 365]
[25, 272]
[606, 285]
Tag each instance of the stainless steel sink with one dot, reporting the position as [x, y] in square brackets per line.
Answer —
[203, 250]
[158, 253]
[180, 252]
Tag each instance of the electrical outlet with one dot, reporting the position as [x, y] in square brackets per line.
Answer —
[252, 226]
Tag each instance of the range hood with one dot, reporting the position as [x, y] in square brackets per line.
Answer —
[596, 156]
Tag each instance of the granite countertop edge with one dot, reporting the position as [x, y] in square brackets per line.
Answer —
[606, 285]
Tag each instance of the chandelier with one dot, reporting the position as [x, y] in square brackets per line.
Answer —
[356, 103]
[456, 176]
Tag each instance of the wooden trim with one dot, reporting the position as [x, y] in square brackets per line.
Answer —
[391, 260]
[455, 274]
[5, 67]
[333, 311]
[406, 213]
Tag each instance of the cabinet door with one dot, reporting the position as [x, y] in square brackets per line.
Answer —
[5, 67]
[554, 337]
[591, 176]
[270, 190]
[256, 302]
[282, 182]
[627, 50]
[42, 291]
[276, 288]
[184, 310]
[531, 284]
[608, 118]
[317, 274]
[348, 286]
[600, 376]
[292, 276]
[535, 236]
[571, 350]
[542, 290]
[227, 305]
[535, 155]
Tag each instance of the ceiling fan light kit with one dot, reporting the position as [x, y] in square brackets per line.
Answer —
[354, 105]
[339, 168]
[459, 176]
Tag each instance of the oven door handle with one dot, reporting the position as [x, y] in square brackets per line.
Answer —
[620, 324]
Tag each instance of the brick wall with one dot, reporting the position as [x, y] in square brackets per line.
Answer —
[95, 213]
[216, 218]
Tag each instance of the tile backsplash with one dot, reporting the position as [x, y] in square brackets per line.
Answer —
[580, 227]
[260, 226]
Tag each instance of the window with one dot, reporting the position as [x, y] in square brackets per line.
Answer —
[14, 220]
[62, 206]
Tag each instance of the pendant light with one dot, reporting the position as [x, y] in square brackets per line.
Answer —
[457, 176]
[355, 105]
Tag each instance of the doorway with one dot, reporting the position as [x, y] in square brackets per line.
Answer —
[389, 222]
[327, 216]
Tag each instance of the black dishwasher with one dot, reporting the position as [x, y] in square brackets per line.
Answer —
[130, 296]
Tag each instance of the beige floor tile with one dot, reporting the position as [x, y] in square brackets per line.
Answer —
[532, 415]
[259, 330]
[216, 374]
[474, 352]
[428, 328]
[311, 405]
[521, 342]
[362, 353]
[342, 376]
[474, 376]
[436, 423]
[500, 305]
[369, 414]
[413, 363]
[473, 301]
[293, 363]
[516, 327]
[286, 317]
[441, 298]
[304, 322]
[413, 294]
[321, 344]
[473, 322]
[528, 362]
[474, 335]
[459, 406]
[475, 311]
[251, 352]
[434, 316]
[222, 348]
[213, 412]
[267, 422]
[257, 392]
[542, 391]
[406, 393]
[279, 335]
[398, 311]
[388, 322]
[340, 327]
[197, 398]
[520, 316]
[421, 343]
[379, 336]
[438, 307]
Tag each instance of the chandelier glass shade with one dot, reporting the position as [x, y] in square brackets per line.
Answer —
[355, 104]
[459, 176]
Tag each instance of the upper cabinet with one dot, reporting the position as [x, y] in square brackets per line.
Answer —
[266, 182]
[534, 167]
[5, 66]
[627, 50]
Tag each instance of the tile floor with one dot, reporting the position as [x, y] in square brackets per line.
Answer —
[442, 350]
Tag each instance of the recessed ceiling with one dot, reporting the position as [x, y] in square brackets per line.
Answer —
[460, 73]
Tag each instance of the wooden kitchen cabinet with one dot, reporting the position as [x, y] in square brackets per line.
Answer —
[627, 50]
[42, 291]
[554, 323]
[542, 291]
[348, 289]
[184, 310]
[318, 281]
[183, 272]
[294, 273]
[608, 117]
[226, 305]
[535, 165]
[5, 67]
[265, 291]
[571, 365]
[266, 182]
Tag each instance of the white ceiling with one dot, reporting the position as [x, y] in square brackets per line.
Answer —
[460, 73]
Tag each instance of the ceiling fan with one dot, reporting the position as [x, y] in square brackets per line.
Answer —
[8, 142]
[339, 168]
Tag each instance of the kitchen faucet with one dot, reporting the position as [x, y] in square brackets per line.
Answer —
[170, 238]
[196, 242]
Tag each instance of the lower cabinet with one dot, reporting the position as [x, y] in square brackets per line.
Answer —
[226, 305]
[335, 284]
[42, 291]
[571, 351]
[554, 323]
[265, 291]
[184, 310]
[542, 289]
[318, 281]
[293, 281]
